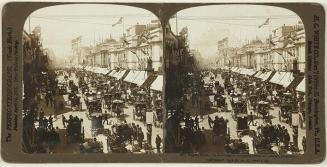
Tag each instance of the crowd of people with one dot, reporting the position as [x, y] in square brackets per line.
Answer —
[113, 97]
[251, 102]
[122, 134]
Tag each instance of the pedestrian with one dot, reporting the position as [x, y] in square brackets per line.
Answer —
[203, 137]
[47, 99]
[286, 139]
[251, 119]
[45, 122]
[64, 120]
[158, 143]
[105, 118]
[191, 123]
[140, 138]
[50, 122]
[148, 138]
[196, 121]
[210, 121]
[304, 143]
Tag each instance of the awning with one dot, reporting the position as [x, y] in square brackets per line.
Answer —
[301, 86]
[242, 71]
[112, 73]
[99, 70]
[131, 76]
[224, 68]
[287, 79]
[157, 83]
[239, 70]
[258, 74]
[141, 77]
[117, 73]
[121, 74]
[251, 72]
[265, 76]
[87, 68]
[90, 69]
[235, 69]
[277, 77]
[246, 71]
[104, 71]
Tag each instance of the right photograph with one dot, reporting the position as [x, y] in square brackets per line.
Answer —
[235, 81]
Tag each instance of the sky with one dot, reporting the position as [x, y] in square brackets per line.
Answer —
[208, 24]
[62, 23]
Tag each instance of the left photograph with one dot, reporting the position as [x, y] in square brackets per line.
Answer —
[92, 80]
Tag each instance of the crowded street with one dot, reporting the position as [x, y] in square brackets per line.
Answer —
[247, 136]
[95, 90]
[230, 95]
[149, 88]
[98, 132]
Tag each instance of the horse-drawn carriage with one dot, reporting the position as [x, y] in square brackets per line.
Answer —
[107, 100]
[92, 146]
[94, 106]
[158, 111]
[219, 89]
[140, 110]
[239, 105]
[220, 131]
[236, 146]
[75, 101]
[208, 89]
[75, 130]
[62, 87]
[93, 103]
[285, 113]
[240, 115]
[96, 123]
[82, 85]
[220, 100]
[117, 107]
[117, 141]
[263, 110]
[286, 108]
[116, 146]
[253, 99]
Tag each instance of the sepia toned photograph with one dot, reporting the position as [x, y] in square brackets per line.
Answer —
[236, 82]
[159, 82]
[92, 80]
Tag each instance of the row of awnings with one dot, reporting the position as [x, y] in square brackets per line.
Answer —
[243, 71]
[301, 86]
[280, 78]
[97, 70]
[138, 78]
[100, 70]
[264, 76]
[118, 74]
[157, 83]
